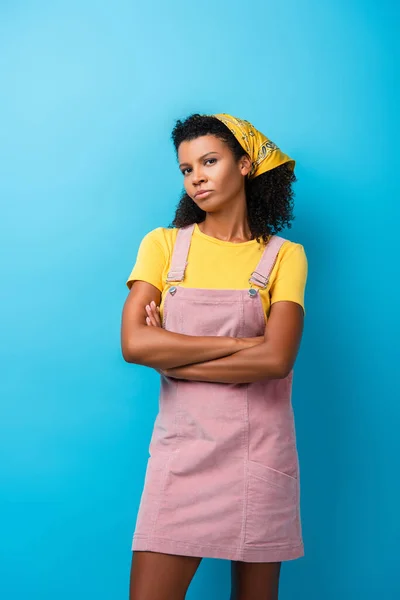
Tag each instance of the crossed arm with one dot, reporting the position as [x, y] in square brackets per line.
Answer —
[209, 358]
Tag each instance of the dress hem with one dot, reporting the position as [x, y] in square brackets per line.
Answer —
[246, 554]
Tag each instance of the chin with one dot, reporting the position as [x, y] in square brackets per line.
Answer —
[202, 203]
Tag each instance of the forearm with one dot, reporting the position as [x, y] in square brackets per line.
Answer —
[161, 349]
[245, 366]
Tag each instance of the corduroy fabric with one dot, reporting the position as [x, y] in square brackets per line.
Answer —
[223, 478]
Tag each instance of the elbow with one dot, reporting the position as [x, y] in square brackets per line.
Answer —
[130, 353]
[127, 354]
[280, 369]
[283, 369]
[134, 346]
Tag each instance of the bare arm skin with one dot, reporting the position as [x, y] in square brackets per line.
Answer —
[155, 347]
[272, 359]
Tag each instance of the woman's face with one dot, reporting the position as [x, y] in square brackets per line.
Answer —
[207, 163]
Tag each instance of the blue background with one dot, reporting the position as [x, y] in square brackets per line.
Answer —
[89, 94]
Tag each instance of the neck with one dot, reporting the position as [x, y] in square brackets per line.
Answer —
[228, 228]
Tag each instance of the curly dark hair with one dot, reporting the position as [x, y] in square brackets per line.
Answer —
[269, 196]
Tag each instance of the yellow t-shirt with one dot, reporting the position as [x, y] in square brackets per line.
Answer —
[217, 264]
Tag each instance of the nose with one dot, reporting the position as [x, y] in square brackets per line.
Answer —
[197, 176]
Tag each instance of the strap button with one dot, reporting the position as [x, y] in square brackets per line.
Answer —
[253, 293]
[172, 290]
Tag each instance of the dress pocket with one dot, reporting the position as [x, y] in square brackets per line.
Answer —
[272, 507]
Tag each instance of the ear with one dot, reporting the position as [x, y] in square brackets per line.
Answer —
[245, 165]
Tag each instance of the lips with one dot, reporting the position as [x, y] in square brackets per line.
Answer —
[202, 193]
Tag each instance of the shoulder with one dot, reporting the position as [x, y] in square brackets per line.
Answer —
[153, 256]
[289, 275]
[291, 257]
[290, 249]
[162, 237]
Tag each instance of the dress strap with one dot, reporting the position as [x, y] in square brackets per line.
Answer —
[260, 276]
[180, 254]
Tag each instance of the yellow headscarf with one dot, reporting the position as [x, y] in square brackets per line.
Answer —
[264, 154]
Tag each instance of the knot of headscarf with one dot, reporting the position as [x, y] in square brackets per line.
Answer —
[264, 154]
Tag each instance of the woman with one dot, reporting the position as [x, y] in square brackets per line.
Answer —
[216, 306]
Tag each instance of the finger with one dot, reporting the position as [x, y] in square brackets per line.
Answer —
[156, 313]
[150, 316]
[155, 310]
[158, 316]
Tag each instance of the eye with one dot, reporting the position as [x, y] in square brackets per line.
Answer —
[206, 161]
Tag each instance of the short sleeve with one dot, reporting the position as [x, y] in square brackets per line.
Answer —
[150, 261]
[291, 276]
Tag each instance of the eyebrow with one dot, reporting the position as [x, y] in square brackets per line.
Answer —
[204, 155]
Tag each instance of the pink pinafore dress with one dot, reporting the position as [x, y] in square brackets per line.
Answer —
[222, 479]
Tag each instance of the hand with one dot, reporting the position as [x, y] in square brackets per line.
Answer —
[153, 318]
